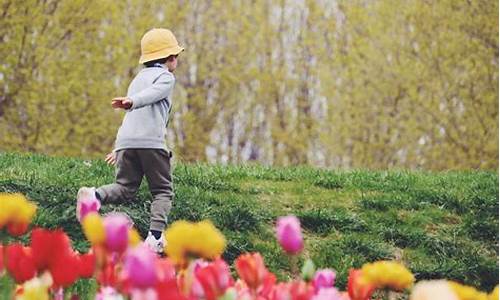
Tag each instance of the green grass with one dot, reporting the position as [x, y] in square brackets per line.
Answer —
[441, 225]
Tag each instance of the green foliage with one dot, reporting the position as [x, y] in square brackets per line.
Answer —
[357, 84]
[441, 225]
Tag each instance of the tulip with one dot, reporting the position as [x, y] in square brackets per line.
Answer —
[86, 206]
[36, 288]
[281, 291]
[86, 265]
[387, 274]
[200, 239]
[169, 290]
[16, 212]
[108, 293]
[134, 238]
[300, 290]
[140, 267]
[297, 290]
[116, 228]
[357, 288]
[93, 228]
[289, 234]
[467, 292]
[433, 289]
[329, 293]
[230, 294]
[65, 270]
[215, 279]
[494, 294]
[323, 279]
[147, 294]
[48, 246]
[267, 285]
[20, 262]
[308, 270]
[1, 259]
[165, 270]
[251, 269]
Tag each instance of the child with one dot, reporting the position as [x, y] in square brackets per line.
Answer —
[140, 146]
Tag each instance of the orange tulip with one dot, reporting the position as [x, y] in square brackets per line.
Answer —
[251, 269]
[357, 289]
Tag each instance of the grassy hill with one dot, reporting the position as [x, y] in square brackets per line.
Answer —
[441, 225]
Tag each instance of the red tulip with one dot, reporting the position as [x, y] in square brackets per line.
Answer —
[289, 234]
[251, 269]
[48, 246]
[215, 279]
[168, 290]
[86, 265]
[106, 275]
[301, 290]
[281, 291]
[1, 258]
[65, 270]
[267, 285]
[17, 229]
[20, 263]
[356, 289]
[165, 270]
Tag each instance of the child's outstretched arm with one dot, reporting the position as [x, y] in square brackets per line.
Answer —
[159, 90]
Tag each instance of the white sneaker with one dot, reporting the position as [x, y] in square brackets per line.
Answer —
[157, 245]
[85, 193]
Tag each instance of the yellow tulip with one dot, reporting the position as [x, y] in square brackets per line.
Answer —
[494, 294]
[34, 289]
[93, 227]
[133, 237]
[464, 292]
[186, 239]
[15, 208]
[387, 274]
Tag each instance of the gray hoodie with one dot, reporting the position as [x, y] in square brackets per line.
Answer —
[145, 123]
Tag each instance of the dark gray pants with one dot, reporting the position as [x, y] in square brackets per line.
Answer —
[131, 166]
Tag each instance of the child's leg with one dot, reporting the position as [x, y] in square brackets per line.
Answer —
[128, 178]
[156, 166]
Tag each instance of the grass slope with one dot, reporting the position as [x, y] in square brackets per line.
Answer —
[441, 225]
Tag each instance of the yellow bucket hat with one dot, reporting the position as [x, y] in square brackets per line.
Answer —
[158, 43]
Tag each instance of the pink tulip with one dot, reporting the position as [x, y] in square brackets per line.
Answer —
[140, 267]
[281, 291]
[323, 279]
[148, 294]
[190, 283]
[328, 294]
[107, 293]
[116, 227]
[86, 206]
[289, 234]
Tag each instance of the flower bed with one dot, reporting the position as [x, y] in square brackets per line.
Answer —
[193, 269]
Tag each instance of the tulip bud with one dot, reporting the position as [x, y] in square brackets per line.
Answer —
[289, 234]
[93, 228]
[308, 270]
[116, 227]
[324, 279]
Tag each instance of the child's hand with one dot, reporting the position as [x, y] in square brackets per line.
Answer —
[121, 102]
[111, 159]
